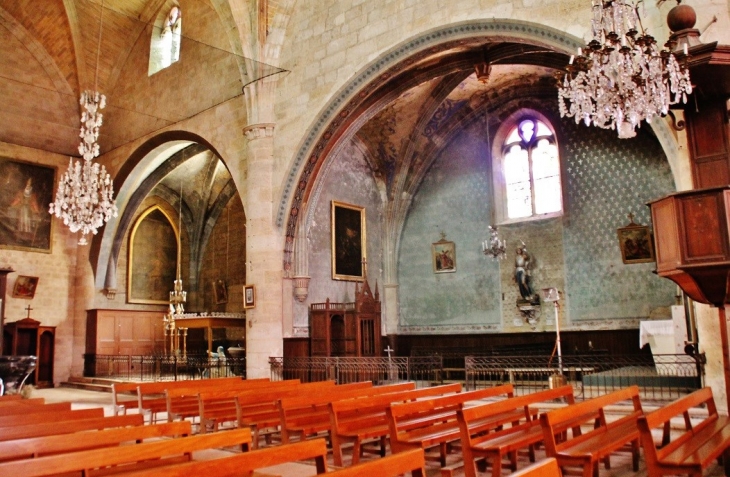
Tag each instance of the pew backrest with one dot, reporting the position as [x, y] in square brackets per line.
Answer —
[38, 429]
[393, 465]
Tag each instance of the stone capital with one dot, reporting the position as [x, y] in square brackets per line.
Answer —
[256, 131]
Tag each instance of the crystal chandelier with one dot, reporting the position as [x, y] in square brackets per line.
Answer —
[84, 199]
[495, 247]
[621, 77]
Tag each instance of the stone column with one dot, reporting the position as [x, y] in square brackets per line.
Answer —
[264, 252]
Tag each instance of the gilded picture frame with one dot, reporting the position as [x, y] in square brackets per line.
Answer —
[349, 241]
[443, 256]
[152, 257]
[636, 243]
[28, 188]
[249, 296]
[25, 287]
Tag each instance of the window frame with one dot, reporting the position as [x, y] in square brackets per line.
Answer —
[499, 146]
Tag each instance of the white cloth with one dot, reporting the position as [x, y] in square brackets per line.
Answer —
[654, 328]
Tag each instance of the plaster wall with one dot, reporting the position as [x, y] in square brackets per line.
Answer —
[348, 178]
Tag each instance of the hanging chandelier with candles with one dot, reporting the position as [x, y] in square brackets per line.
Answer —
[84, 198]
[621, 77]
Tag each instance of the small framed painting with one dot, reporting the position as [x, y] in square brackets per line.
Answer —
[249, 296]
[443, 254]
[636, 243]
[25, 287]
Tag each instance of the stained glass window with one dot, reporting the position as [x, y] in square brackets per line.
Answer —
[531, 171]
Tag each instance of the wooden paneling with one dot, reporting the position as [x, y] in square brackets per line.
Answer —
[124, 332]
[709, 143]
[296, 347]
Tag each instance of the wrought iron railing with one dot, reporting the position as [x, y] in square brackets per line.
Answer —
[425, 370]
[162, 368]
[660, 378]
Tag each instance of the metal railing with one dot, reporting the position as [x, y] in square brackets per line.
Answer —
[660, 378]
[424, 370]
[162, 368]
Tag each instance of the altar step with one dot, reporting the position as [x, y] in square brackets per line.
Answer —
[90, 384]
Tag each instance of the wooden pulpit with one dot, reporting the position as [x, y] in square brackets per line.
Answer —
[693, 250]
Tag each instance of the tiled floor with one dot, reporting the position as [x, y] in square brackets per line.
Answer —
[620, 463]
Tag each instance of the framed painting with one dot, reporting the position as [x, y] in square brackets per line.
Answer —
[25, 287]
[443, 255]
[249, 296]
[152, 263]
[636, 243]
[220, 290]
[27, 189]
[348, 241]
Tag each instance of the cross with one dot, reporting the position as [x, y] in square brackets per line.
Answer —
[388, 350]
[28, 308]
[631, 217]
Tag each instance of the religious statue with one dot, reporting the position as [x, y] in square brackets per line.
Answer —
[522, 273]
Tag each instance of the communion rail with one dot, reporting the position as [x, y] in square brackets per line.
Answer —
[162, 368]
[660, 378]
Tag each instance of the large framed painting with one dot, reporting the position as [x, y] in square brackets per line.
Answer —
[636, 243]
[348, 241]
[152, 263]
[26, 192]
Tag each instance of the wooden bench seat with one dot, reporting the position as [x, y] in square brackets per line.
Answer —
[304, 416]
[545, 468]
[128, 457]
[698, 446]
[13, 420]
[494, 446]
[356, 421]
[57, 444]
[390, 466]
[586, 450]
[245, 464]
[28, 406]
[45, 428]
[432, 422]
[183, 402]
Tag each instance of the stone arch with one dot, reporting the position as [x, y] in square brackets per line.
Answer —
[134, 180]
[356, 97]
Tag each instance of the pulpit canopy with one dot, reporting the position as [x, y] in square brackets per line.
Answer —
[692, 242]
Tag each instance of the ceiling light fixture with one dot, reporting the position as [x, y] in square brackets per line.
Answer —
[621, 77]
[85, 194]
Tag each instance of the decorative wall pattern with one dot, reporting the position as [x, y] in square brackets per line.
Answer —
[608, 178]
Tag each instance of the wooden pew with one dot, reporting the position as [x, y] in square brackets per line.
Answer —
[151, 398]
[494, 446]
[25, 407]
[125, 458]
[44, 428]
[587, 450]
[391, 466]
[58, 444]
[696, 448]
[545, 468]
[218, 407]
[432, 422]
[124, 397]
[42, 417]
[17, 399]
[358, 420]
[10, 397]
[304, 416]
[259, 411]
[245, 464]
[186, 403]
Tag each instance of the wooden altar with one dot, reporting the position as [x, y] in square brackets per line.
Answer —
[346, 329]
[208, 323]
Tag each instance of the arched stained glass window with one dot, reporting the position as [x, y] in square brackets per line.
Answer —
[530, 183]
[165, 42]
